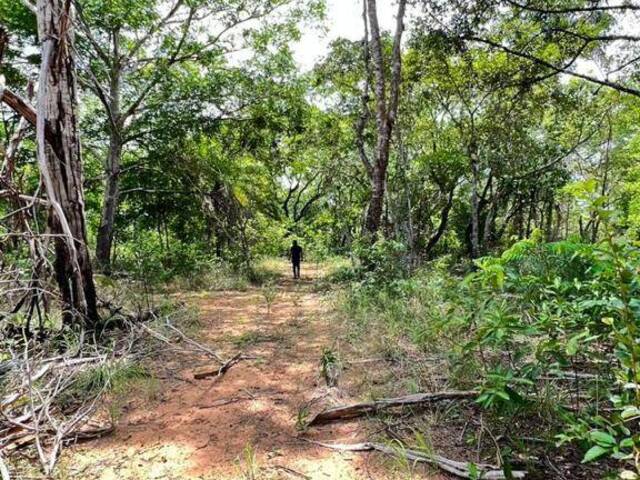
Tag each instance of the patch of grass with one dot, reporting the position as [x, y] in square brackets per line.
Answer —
[118, 380]
[400, 461]
[331, 265]
[186, 318]
[267, 270]
[330, 366]
[269, 293]
[249, 468]
[302, 418]
[219, 276]
[254, 337]
[113, 377]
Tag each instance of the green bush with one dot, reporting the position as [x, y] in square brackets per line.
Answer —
[539, 311]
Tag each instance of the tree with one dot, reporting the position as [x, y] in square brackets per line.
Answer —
[386, 107]
[59, 158]
[550, 35]
[132, 47]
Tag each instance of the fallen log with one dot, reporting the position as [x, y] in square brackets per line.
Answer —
[365, 408]
[459, 469]
[218, 372]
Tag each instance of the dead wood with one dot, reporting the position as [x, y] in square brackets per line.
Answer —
[4, 471]
[195, 344]
[290, 471]
[15, 396]
[365, 408]
[26, 437]
[222, 402]
[91, 433]
[459, 469]
[218, 372]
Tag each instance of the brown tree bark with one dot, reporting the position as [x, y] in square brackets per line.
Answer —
[442, 226]
[110, 202]
[61, 168]
[475, 200]
[104, 241]
[386, 109]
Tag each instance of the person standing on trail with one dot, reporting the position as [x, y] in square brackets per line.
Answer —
[296, 256]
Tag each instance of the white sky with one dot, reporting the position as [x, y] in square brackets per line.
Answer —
[343, 19]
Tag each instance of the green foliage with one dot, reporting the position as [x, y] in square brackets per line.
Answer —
[302, 417]
[156, 260]
[330, 366]
[249, 467]
[540, 310]
[380, 262]
[114, 378]
[225, 159]
[269, 293]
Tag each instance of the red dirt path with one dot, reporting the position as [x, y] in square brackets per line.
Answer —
[242, 426]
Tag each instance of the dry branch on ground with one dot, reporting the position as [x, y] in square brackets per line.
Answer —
[459, 469]
[360, 409]
[207, 372]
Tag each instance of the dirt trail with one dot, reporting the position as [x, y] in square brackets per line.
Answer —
[243, 425]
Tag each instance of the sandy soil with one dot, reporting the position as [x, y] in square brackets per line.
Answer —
[242, 426]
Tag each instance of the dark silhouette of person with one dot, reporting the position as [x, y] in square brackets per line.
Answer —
[296, 256]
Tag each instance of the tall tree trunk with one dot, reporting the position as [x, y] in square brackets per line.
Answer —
[61, 164]
[376, 202]
[110, 201]
[548, 219]
[104, 242]
[386, 112]
[405, 202]
[475, 200]
[442, 227]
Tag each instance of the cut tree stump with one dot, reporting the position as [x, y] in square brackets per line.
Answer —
[459, 469]
[359, 409]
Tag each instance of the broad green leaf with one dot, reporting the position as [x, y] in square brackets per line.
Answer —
[602, 438]
[594, 453]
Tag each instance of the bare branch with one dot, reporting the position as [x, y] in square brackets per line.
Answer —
[136, 47]
[21, 107]
[30, 6]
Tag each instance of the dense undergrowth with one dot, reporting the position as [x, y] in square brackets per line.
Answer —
[67, 384]
[547, 333]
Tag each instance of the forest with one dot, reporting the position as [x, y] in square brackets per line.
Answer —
[463, 177]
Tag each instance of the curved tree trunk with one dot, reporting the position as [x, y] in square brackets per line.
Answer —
[442, 226]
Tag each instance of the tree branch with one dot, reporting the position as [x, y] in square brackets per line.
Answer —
[533, 58]
[32, 8]
[22, 108]
[586, 9]
[132, 52]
